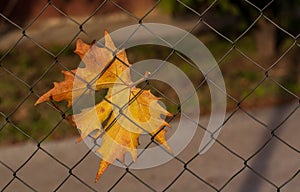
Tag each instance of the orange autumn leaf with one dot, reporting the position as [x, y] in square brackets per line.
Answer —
[140, 109]
[62, 91]
[95, 60]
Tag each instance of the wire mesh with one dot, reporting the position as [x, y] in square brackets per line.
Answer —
[250, 166]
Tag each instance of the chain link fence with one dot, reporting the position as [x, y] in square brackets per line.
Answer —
[257, 150]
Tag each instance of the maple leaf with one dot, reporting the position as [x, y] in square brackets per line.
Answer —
[95, 60]
[122, 133]
[62, 91]
[125, 112]
[86, 120]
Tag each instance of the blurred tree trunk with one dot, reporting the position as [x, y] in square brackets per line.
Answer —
[266, 37]
[15, 10]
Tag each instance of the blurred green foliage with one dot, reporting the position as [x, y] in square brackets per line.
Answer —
[284, 13]
[240, 76]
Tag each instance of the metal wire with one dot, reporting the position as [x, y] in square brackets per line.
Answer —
[274, 132]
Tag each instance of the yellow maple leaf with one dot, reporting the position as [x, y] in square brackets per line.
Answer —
[127, 111]
[86, 121]
[122, 133]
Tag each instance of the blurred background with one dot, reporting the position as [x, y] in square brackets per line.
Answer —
[255, 42]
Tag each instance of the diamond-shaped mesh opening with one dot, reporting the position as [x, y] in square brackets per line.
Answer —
[28, 68]
[56, 150]
[282, 173]
[223, 161]
[55, 31]
[218, 46]
[20, 153]
[35, 121]
[238, 26]
[246, 78]
[273, 43]
[48, 171]
[96, 22]
[249, 181]
[247, 130]
[285, 17]
[256, 46]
